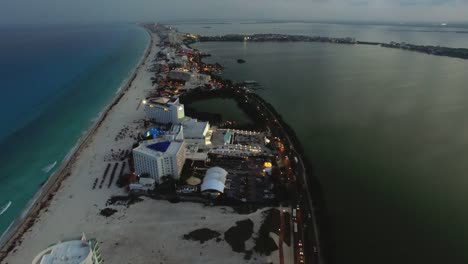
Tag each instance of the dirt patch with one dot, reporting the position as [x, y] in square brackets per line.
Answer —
[238, 234]
[248, 254]
[107, 212]
[126, 200]
[174, 200]
[264, 244]
[202, 235]
[244, 209]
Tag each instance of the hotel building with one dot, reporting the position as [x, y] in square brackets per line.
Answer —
[164, 110]
[159, 157]
[197, 133]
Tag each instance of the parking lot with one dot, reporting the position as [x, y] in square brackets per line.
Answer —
[246, 180]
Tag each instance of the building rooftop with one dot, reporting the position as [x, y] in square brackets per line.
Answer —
[212, 185]
[215, 179]
[162, 100]
[195, 129]
[70, 252]
[180, 75]
[159, 146]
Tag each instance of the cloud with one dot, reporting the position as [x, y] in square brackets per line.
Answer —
[59, 11]
[425, 2]
[359, 3]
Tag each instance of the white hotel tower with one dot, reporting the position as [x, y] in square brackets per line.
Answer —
[159, 157]
[164, 110]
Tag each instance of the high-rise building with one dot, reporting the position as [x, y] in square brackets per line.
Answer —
[164, 110]
[159, 157]
[197, 133]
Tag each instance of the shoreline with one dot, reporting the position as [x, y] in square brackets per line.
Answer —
[12, 236]
[451, 52]
[314, 203]
[70, 197]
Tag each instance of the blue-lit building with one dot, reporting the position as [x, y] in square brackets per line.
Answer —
[154, 133]
[159, 157]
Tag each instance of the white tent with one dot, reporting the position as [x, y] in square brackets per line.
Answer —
[215, 179]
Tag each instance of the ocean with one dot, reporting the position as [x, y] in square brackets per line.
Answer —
[55, 80]
[385, 129]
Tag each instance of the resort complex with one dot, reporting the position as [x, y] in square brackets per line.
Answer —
[155, 169]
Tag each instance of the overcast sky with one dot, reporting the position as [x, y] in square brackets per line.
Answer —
[67, 11]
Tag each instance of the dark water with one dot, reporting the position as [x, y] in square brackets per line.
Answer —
[230, 112]
[388, 133]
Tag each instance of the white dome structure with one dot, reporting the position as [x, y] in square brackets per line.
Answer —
[215, 180]
[70, 252]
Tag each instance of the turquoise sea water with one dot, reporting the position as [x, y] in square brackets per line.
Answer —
[385, 129]
[55, 82]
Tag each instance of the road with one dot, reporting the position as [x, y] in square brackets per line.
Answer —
[281, 237]
[305, 186]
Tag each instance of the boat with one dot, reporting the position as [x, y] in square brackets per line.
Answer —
[5, 207]
[49, 167]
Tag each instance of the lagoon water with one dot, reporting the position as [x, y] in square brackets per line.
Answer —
[387, 132]
[231, 112]
[55, 81]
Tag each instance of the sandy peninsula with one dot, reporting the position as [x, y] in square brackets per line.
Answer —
[150, 231]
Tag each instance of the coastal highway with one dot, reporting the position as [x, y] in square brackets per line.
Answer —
[281, 237]
[313, 251]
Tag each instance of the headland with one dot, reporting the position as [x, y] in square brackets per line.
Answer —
[267, 210]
